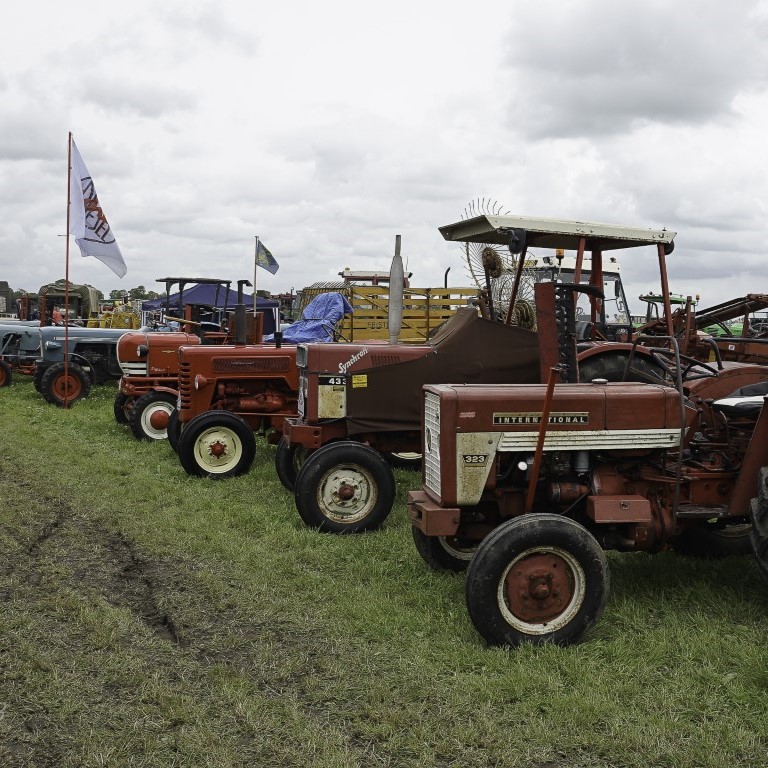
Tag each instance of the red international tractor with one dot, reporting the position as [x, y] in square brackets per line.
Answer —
[527, 485]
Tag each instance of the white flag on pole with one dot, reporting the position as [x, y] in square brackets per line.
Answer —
[87, 221]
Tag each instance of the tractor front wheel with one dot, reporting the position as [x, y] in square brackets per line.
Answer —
[5, 374]
[56, 387]
[539, 578]
[217, 444]
[345, 487]
[288, 461]
[150, 415]
[174, 430]
[444, 553]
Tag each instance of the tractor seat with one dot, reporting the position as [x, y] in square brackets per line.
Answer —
[745, 402]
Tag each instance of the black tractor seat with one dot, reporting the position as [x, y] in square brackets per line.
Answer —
[745, 402]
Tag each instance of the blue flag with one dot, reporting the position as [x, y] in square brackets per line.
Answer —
[265, 259]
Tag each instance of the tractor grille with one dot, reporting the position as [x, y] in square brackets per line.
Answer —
[432, 442]
[185, 385]
[379, 360]
[274, 364]
[134, 369]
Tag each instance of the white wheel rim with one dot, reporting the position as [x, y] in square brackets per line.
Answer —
[146, 419]
[217, 450]
[578, 583]
[464, 554]
[347, 494]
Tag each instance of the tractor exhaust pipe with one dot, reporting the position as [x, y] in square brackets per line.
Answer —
[396, 284]
[240, 324]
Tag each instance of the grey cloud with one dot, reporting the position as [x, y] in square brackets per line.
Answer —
[213, 24]
[144, 99]
[601, 67]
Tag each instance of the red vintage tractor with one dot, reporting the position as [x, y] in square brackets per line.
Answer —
[148, 390]
[527, 485]
[360, 400]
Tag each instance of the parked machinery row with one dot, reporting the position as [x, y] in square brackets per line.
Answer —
[541, 446]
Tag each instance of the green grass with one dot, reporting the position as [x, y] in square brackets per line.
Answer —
[152, 619]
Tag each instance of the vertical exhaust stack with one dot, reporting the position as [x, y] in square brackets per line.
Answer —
[396, 284]
[240, 321]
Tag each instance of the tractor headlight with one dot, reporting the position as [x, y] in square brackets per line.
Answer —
[52, 345]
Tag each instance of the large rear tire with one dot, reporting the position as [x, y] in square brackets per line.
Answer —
[174, 430]
[345, 487]
[539, 578]
[288, 462]
[217, 444]
[759, 534]
[611, 366]
[444, 553]
[150, 415]
[121, 407]
[37, 378]
[55, 386]
[712, 542]
[404, 460]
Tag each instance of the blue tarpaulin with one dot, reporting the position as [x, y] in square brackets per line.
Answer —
[203, 293]
[318, 320]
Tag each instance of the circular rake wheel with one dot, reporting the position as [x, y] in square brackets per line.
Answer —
[5, 374]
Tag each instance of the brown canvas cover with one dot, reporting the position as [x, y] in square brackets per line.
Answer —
[466, 349]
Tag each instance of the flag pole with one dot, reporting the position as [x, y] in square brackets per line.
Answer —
[66, 276]
[255, 271]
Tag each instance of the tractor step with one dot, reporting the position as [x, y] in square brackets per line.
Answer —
[701, 512]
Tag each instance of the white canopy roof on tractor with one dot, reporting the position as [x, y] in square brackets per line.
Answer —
[555, 233]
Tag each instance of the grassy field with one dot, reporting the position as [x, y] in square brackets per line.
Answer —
[152, 619]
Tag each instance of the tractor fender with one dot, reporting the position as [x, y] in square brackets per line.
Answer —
[167, 390]
[85, 364]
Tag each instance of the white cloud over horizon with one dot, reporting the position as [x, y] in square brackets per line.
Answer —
[328, 129]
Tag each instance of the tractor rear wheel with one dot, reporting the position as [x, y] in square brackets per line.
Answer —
[444, 553]
[121, 407]
[37, 378]
[404, 460]
[759, 535]
[611, 366]
[345, 487]
[150, 415]
[217, 444]
[55, 386]
[288, 461]
[174, 430]
[5, 374]
[712, 542]
[539, 578]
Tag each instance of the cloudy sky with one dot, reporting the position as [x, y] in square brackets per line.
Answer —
[329, 128]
